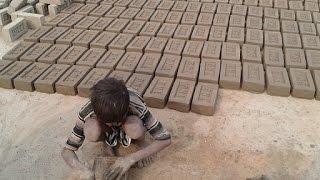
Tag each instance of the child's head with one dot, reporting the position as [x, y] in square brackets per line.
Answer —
[110, 100]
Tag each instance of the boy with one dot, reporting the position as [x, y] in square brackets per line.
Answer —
[115, 115]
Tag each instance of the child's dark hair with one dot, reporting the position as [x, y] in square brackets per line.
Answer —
[110, 100]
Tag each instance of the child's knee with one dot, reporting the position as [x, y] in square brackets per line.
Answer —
[92, 130]
[134, 127]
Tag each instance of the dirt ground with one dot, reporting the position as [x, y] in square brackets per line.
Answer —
[250, 135]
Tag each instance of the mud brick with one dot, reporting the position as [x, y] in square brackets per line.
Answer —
[209, 70]
[221, 20]
[115, 12]
[69, 36]
[37, 34]
[311, 6]
[251, 53]
[86, 9]
[204, 98]
[156, 45]
[53, 54]
[224, 8]
[311, 42]
[230, 74]
[209, 7]
[316, 77]
[53, 35]
[295, 58]
[110, 59]
[129, 13]
[183, 31]
[291, 40]
[101, 24]
[230, 51]
[117, 25]
[17, 51]
[303, 16]
[307, 28]
[158, 92]
[254, 36]
[90, 80]
[237, 21]
[123, 3]
[120, 75]
[254, 22]
[235, 1]
[5, 18]
[272, 38]
[42, 8]
[211, 50]
[273, 57]
[296, 5]
[218, 33]
[108, 2]
[313, 59]
[86, 22]
[194, 7]
[289, 26]
[103, 40]
[70, 21]
[159, 16]
[129, 61]
[121, 41]
[138, 44]
[239, 10]
[287, 14]
[253, 79]
[189, 68]
[9, 73]
[302, 83]
[91, 57]
[100, 10]
[271, 13]
[72, 55]
[57, 19]
[251, 2]
[144, 14]
[180, 6]
[189, 18]
[318, 29]
[14, 30]
[316, 17]
[25, 80]
[236, 34]
[137, 3]
[255, 11]
[93, 1]
[148, 63]
[139, 82]
[86, 38]
[278, 82]
[4, 64]
[35, 52]
[151, 4]
[281, 4]
[193, 49]
[150, 29]
[271, 24]
[174, 46]
[72, 8]
[266, 3]
[165, 5]
[200, 33]
[134, 27]
[167, 30]
[168, 66]
[205, 19]
[46, 82]
[181, 94]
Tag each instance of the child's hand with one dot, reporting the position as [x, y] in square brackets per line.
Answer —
[119, 168]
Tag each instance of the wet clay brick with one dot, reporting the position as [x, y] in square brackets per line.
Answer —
[181, 94]
[251, 2]
[86, 22]
[57, 19]
[289, 26]
[167, 30]
[168, 65]
[17, 51]
[37, 34]
[71, 20]
[72, 8]
[255, 11]
[158, 91]
[101, 24]
[53, 54]
[281, 4]
[272, 38]
[311, 42]
[90, 80]
[302, 83]
[251, 53]
[211, 50]
[150, 29]
[4, 64]
[236, 35]
[307, 28]
[303, 16]
[204, 98]
[189, 68]
[313, 59]
[174, 46]
[110, 59]
[273, 57]
[193, 49]
[108, 2]
[129, 61]
[156, 45]
[100, 11]
[194, 6]
[209, 70]
[183, 32]
[291, 40]
[295, 58]
[159, 16]
[237, 21]
[103, 40]
[93, 1]
[254, 36]
[91, 57]
[287, 14]
[224, 8]
[278, 83]
[221, 20]
[144, 14]
[254, 22]
[218, 33]
[137, 3]
[86, 9]
[120, 75]
[205, 19]
[86, 38]
[115, 12]
[209, 7]
[72, 55]
[68, 83]
[25, 80]
[53, 35]
[9, 73]
[45, 83]
[239, 10]
[316, 76]
[189, 18]
[180, 6]
[121, 41]
[117, 25]
[253, 79]
[68, 37]
[123, 3]
[230, 74]
[134, 27]
[200, 33]
[129, 13]
[138, 44]
[174, 17]
[148, 63]
[165, 5]
[35, 52]
[139, 82]
[230, 51]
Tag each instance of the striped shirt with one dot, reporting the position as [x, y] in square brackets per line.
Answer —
[137, 107]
